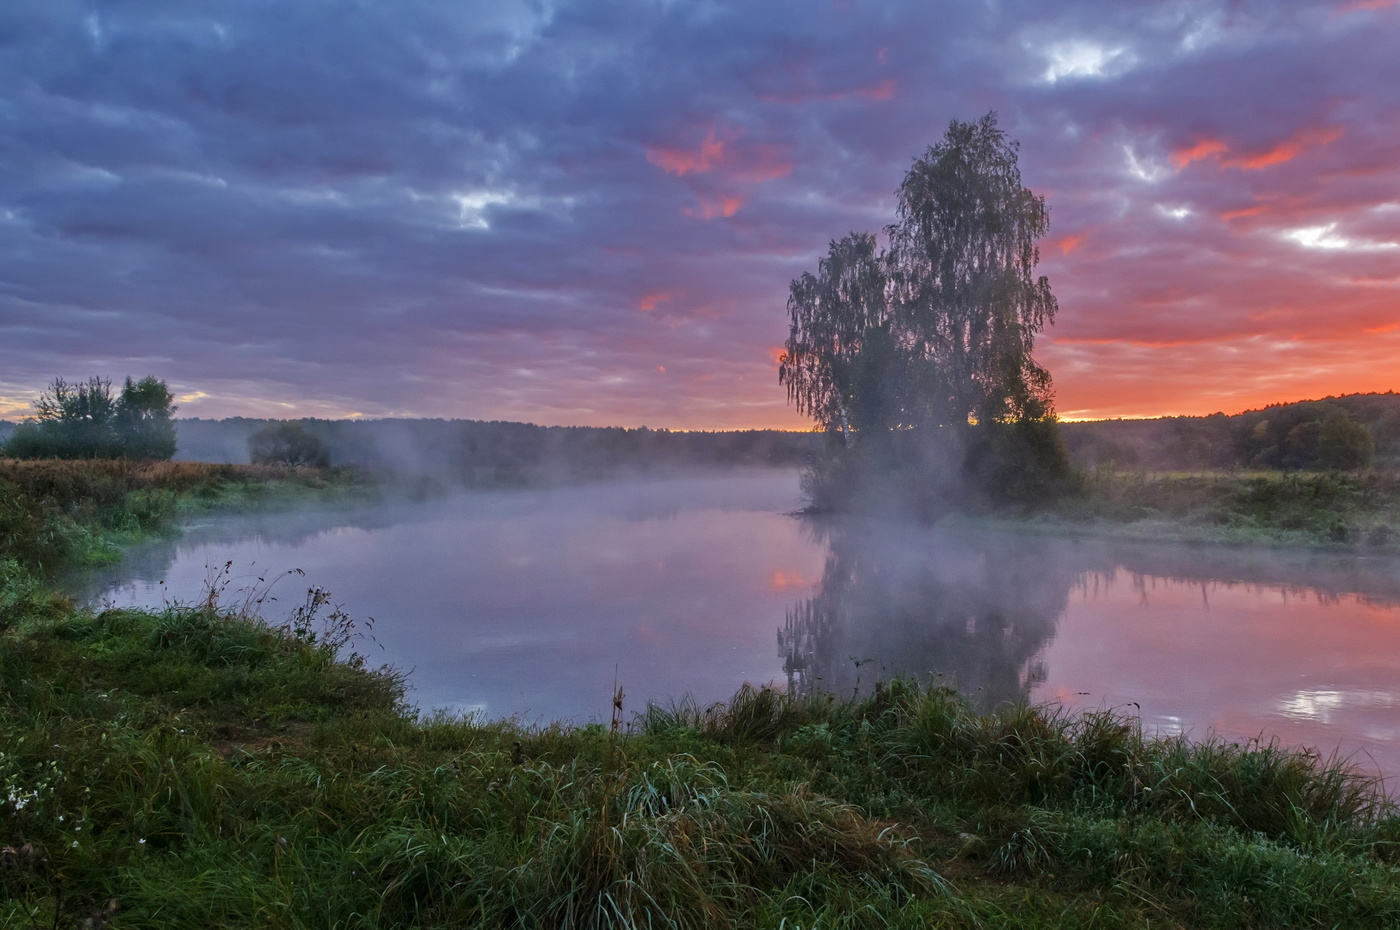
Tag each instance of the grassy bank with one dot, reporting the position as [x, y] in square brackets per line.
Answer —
[201, 769]
[197, 766]
[1333, 510]
[56, 514]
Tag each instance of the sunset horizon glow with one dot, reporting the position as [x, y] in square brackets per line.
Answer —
[588, 213]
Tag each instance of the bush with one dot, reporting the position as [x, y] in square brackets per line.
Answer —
[1025, 462]
[287, 443]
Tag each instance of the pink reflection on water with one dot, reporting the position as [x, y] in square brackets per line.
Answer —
[1239, 659]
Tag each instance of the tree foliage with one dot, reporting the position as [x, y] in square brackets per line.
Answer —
[1343, 443]
[920, 356]
[962, 260]
[144, 419]
[836, 315]
[1350, 432]
[287, 443]
[83, 420]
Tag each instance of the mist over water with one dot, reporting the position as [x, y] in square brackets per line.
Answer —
[1304, 646]
[531, 604]
[534, 603]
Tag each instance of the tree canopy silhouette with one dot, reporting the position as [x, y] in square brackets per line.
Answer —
[921, 355]
[287, 443]
[83, 420]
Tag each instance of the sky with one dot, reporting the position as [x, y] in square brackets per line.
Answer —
[589, 213]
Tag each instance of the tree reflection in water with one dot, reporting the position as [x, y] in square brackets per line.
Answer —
[978, 609]
[900, 600]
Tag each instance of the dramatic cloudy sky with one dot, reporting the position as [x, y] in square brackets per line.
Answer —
[589, 212]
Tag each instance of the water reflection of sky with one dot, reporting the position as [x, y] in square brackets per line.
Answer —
[1312, 666]
[533, 603]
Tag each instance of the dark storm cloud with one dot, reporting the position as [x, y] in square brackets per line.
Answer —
[589, 212]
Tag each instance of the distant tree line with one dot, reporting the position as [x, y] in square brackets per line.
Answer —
[478, 453]
[1337, 433]
[85, 420]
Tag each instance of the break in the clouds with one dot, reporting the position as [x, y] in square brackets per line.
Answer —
[589, 213]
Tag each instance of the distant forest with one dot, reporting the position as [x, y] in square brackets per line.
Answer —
[1311, 434]
[492, 454]
[479, 453]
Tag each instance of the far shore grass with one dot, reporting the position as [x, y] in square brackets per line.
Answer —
[1342, 511]
[201, 766]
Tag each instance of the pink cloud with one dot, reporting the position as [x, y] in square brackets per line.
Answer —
[1202, 148]
[650, 300]
[725, 158]
[1242, 213]
[715, 206]
[1284, 151]
[1278, 154]
[681, 162]
[882, 91]
[1067, 244]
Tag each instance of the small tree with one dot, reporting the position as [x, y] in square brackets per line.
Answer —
[287, 442]
[79, 418]
[145, 420]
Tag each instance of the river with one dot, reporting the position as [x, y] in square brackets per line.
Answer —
[533, 604]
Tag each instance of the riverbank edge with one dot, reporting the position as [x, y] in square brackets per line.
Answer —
[1172, 532]
[1357, 512]
[274, 776]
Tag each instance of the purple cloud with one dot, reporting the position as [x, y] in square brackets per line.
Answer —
[590, 212]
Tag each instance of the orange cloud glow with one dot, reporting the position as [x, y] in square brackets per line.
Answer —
[882, 91]
[744, 163]
[681, 162]
[1203, 148]
[1143, 378]
[722, 205]
[1285, 151]
[1068, 244]
[649, 301]
[786, 581]
[1242, 213]
[1279, 154]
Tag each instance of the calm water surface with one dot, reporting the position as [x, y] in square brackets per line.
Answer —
[531, 604]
